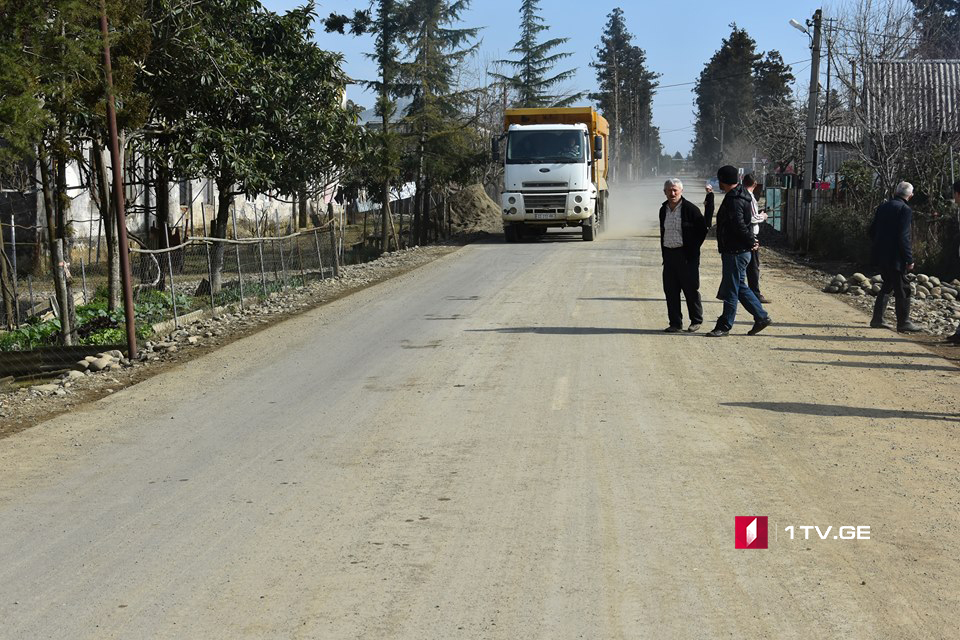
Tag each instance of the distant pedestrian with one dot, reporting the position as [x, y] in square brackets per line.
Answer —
[735, 240]
[893, 254]
[708, 206]
[955, 338]
[757, 216]
[682, 231]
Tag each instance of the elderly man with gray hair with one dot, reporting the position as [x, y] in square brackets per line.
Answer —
[893, 254]
[682, 231]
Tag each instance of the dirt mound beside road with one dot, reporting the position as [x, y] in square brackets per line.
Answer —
[472, 211]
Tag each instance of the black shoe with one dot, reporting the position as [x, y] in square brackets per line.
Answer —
[760, 325]
[879, 325]
[908, 327]
[717, 332]
[673, 329]
[694, 327]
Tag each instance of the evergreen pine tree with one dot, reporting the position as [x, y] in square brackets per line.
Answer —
[532, 82]
[939, 22]
[626, 95]
[436, 47]
[388, 24]
[725, 94]
[772, 80]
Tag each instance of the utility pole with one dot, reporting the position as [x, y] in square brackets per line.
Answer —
[122, 246]
[807, 183]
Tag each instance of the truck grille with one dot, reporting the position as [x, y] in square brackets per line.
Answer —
[545, 203]
[544, 185]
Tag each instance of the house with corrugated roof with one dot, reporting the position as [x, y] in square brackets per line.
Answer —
[899, 100]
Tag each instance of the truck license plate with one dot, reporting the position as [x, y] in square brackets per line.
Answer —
[544, 216]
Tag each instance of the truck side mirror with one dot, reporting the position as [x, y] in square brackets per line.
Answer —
[495, 148]
[598, 147]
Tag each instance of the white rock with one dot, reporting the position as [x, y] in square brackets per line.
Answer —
[45, 389]
[101, 363]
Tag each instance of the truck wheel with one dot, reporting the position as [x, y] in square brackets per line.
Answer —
[602, 211]
[510, 233]
[589, 230]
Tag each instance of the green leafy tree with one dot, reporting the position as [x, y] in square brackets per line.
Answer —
[53, 59]
[533, 83]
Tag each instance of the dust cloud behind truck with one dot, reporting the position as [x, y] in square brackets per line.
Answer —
[555, 170]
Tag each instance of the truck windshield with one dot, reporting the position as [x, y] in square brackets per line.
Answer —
[537, 147]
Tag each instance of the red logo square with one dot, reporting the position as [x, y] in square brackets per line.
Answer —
[750, 532]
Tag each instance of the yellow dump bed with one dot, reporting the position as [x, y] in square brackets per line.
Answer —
[596, 124]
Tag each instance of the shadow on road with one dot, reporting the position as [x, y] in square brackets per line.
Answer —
[579, 331]
[883, 365]
[848, 352]
[840, 338]
[837, 410]
[624, 299]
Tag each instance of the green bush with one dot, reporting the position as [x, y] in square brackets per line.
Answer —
[841, 232]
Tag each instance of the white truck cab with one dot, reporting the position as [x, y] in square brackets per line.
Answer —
[554, 174]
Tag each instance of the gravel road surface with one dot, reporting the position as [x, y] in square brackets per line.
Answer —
[503, 444]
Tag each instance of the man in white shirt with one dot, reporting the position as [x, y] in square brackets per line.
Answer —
[682, 231]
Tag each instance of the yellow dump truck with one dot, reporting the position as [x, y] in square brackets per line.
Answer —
[555, 170]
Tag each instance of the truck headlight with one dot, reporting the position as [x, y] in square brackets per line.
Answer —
[513, 210]
[579, 199]
[512, 200]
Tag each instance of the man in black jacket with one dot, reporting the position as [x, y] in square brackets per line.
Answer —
[892, 252]
[955, 338]
[682, 230]
[735, 240]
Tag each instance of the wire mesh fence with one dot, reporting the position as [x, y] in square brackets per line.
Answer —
[180, 277]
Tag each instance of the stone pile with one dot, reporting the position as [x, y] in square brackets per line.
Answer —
[922, 286]
[935, 302]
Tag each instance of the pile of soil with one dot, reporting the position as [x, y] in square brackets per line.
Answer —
[472, 211]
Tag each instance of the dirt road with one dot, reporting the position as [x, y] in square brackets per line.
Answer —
[502, 444]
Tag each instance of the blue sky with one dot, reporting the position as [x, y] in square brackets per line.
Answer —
[679, 37]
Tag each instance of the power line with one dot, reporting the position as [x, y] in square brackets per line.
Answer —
[727, 77]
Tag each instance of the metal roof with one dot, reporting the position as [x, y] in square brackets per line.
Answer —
[913, 95]
[840, 134]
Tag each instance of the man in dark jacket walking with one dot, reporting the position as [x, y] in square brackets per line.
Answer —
[735, 240]
[682, 231]
[892, 252]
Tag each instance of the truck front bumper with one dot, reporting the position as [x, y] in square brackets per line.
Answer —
[548, 209]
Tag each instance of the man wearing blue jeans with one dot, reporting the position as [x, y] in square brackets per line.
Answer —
[735, 240]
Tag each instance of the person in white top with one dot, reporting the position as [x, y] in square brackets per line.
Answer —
[753, 269]
[682, 231]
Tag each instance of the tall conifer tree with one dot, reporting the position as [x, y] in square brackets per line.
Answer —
[533, 84]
